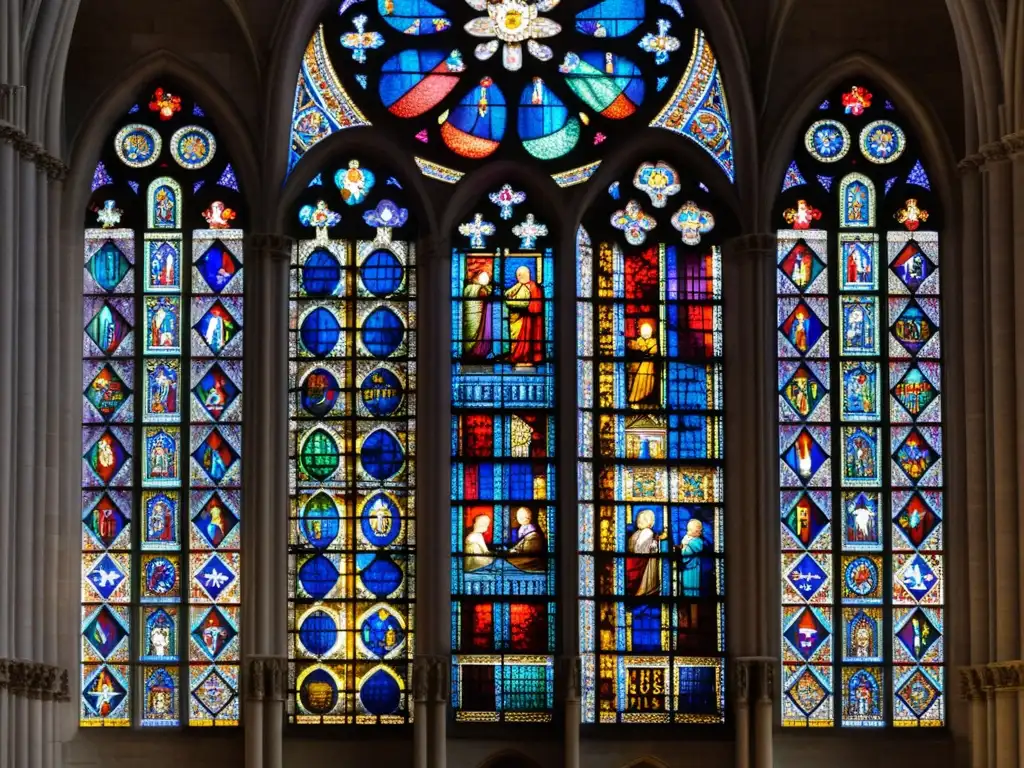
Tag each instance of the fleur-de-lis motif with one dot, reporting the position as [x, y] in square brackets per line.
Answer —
[360, 41]
[108, 215]
[528, 232]
[912, 216]
[692, 222]
[633, 222]
[506, 198]
[802, 216]
[477, 231]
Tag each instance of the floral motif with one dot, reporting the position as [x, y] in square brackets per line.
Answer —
[361, 41]
[528, 232]
[660, 181]
[633, 222]
[387, 214]
[505, 198]
[857, 100]
[511, 22]
[320, 218]
[801, 216]
[218, 215]
[827, 141]
[661, 44]
[165, 103]
[692, 222]
[108, 215]
[477, 231]
[912, 216]
[882, 141]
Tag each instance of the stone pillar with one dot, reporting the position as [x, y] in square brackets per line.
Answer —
[421, 708]
[265, 548]
[972, 691]
[569, 673]
[1003, 390]
[741, 710]
[440, 686]
[751, 518]
[764, 715]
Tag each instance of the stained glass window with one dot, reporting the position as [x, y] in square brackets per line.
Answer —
[353, 449]
[860, 424]
[548, 81]
[504, 527]
[162, 433]
[649, 345]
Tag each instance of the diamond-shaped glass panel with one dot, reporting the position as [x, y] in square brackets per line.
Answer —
[807, 692]
[108, 328]
[803, 328]
[915, 455]
[215, 455]
[915, 391]
[807, 577]
[912, 328]
[105, 521]
[918, 693]
[912, 267]
[801, 265]
[916, 520]
[215, 521]
[806, 520]
[106, 457]
[218, 266]
[108, 266]
[107, 392]
[917, 577]
[214, 692]
[803, 391]
[213, 633]
[918, 634]
[103, 692]
[806, 633]
[804, 456]
[104, 632]
[215, 577]
[217, 327]
[105, 576]
[215, 391]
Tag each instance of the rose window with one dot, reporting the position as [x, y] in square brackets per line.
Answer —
[463, 80]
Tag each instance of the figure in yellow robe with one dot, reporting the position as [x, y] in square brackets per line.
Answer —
[643, 377]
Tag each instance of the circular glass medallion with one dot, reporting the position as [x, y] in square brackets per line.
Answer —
[381, 521]
[317, 576]
[320, 521]
[882, 142]
[381, 455]
[861, 576]
[193, 147]
[137, 145]
[381, 273]
[320, 332]
[319, 392]
[318, 692]
[318, 632]
[380, 693]
[321, 274]
[381, 392]
[827, 141]
[382, 332]
[161, 576]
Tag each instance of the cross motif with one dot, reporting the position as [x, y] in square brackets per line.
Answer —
[505, 198]
[633, 222]
[477, 231]
[360, 41]
[912, 216]
[692, 222]
[661, 44]
[108, 215]
[528, 232]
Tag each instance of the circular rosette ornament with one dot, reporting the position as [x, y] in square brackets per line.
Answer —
[827, 141]
[659, 181]
[512, 22]
[633, 222]
[692, 222]
[882, 142]
[193, 147]
[137, 145]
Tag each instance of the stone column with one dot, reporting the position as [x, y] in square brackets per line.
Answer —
[265, 551]
[972, 691]
[571, 707]
[1004, 391]
[421, 708]
[764, 714]
[440, 686]
[751, 518]
[741, 669]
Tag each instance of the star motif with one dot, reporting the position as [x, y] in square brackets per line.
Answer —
[360, 41]
[912, 216]
[108, 215]
[633, 222]
[692, 222]
[511, 22]
[801, 216]
[505, 198]
[529, 231]
[477, 231]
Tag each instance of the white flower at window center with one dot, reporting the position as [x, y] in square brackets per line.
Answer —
[511, 22]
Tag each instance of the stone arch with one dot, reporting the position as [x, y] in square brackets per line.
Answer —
[646, 762]
[509, 759]
[938, 150]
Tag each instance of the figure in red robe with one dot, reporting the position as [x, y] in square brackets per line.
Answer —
[525, 320]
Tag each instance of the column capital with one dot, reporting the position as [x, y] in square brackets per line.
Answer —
[34, 680]
[1007, 675]
[754, 675]
[741, 680]
[757, 245]
[267, 678]
[972, 683]
[275, 246]
[1014, 143]
[421, 668]
[971, 163]
[440, 678]
[55, 168]
[569, 674]
[994, 152]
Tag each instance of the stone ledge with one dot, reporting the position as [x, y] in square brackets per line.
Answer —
[52, 166]
[35, 681]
